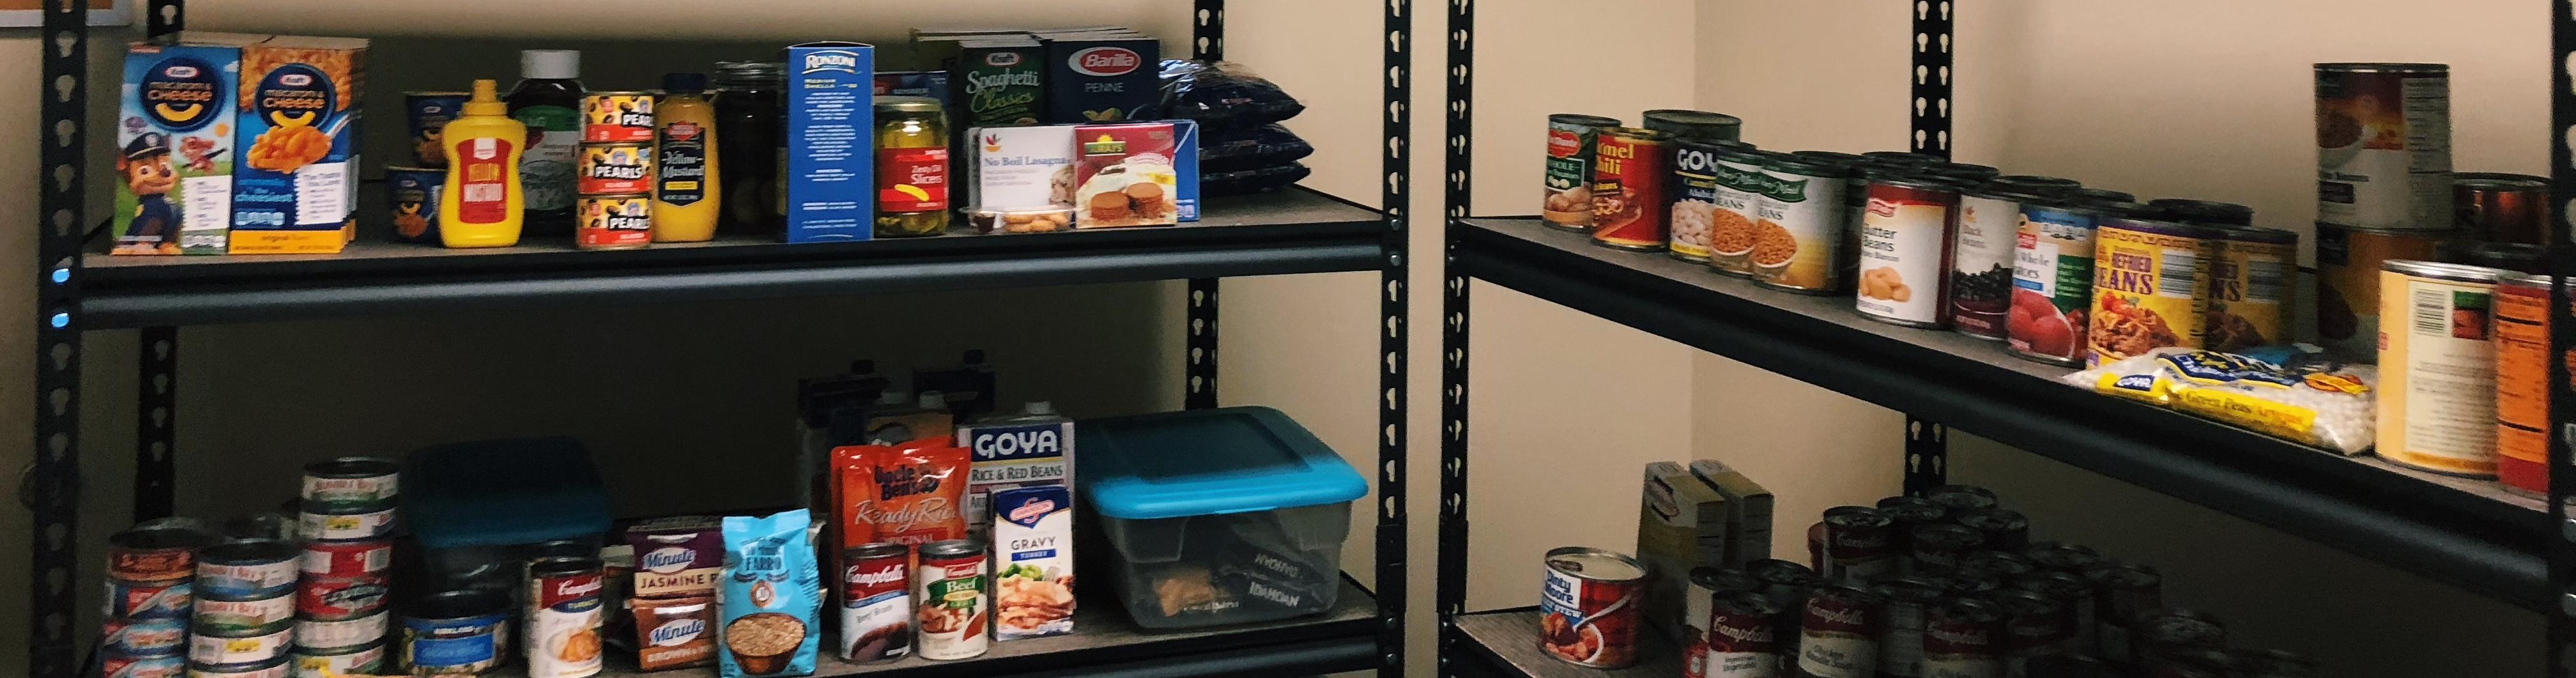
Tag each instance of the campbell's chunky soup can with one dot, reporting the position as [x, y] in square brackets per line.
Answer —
[1571, 144]
[1588, 606]
[1628, 176]
[1981, 260]
[2150, 286]
[2384, 145]
[2052, 282]
[2437, 369]
[2249, 288]
[1798, 226]
[1905, 240]
[2522, 382]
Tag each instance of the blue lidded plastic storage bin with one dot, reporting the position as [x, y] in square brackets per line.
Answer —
[1220, 516]
[476, 506]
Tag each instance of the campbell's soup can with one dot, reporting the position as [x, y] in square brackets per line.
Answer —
[1628, 177]
[2522, 382]
[2437, 368]
[1903, 605]
[1708, 585]
[2249, 288]
[2035, 624]
[953, 598]
[1860, 545]
[1838, 634]
[565, 612]
[2348, 262]
[876, 602]
[1982, 259]
[1572, 141]
[2150, 286]
[1963, 638]
[1743, 638]
[1905, 241]
[2384, 145]
[1588, 606]
[2121, 593]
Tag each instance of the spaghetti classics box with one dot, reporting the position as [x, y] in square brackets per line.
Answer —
[1101, 76]
[174, 144]
[295, 183]
[1681, 524]
[1748, 511]
[831, 141]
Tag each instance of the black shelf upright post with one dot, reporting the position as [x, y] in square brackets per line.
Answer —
[1927, 443]
[1450, 581]
[1393, 244]
[2561, 550]
[51, 489]
[1207, 43]
[157, 356]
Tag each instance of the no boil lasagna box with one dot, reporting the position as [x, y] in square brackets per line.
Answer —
[831, 142]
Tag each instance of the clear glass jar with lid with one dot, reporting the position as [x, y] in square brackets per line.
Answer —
[748, 119]
[912, 167]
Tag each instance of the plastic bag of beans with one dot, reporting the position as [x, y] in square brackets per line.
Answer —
[2291, 392]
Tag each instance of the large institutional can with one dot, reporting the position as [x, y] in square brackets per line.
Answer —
[1695, 194]
[1902, 605]
[876, 602]
[1628, 176]
[1798, 227]
[1731, 230]
[1963, 638]
[2522, 382]
[1743, 638]
[1838, 635]
[1588, 606]
[2497, 207]
[2249, 288]
[1571, 144]
[2384, 145]
[2437, 379]
[2150, 286]
[1905, 241]
[564, 615]
[617, 117]
[952, 600]
[1694, 125]
[614, 222]
[2052, 281]
[1982, 258]
[2348, 262]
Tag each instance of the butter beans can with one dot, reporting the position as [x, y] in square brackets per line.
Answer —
[2348, 262]
[617, 117]
[2437, 379]
[1982, 260]
[614, 222]
[613, 169]
[1905, 241]
[1571, 147]
[2384, 145]
[1739, 181]
[1798, 239]
[2522, 352]
[2250, 288]
[413, 193]
[2052, 282]
[2150, 286]
[1628, 178]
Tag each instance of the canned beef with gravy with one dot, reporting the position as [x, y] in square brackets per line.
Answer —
[2522, 382]
[952, 600]
[1838, 634]
[2348, 262]
[1571, 144]
[1588, 602]
[2150, 286]
[1982, 256]
[1798, 226]
[1905, 242]
[2437, 379]
[1731, 231]
[1628, 175]
[2249, 288]
[2384, 145]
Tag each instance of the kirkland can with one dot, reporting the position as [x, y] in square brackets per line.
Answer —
[1838, 633]
[2120, 594]
[413, 193]
[456, 632]
[2052, 282]
[217, 650]
[2150, 287]
[425, 114]
[355, 525]
[1982, 258]
[2035, 624]
[617, 117]
[1628, 178]
[280, 667]
[1743, 638]
[1798, 226]
[2522, 382]
[2204, 212]
[152, 666]
[335, 634]
[2384, 145]
[247, 569]
[2437, 379]
[1599, 589]
[1936, 548]
[2250, 288]
[1695, 125]
[365, 659]
[347, 558]
[157, 551]
[876, 602]
[1905, 242]
[353, 484]
[2348, 262]
[1708, 585]
[1731, 230]
[341, 597]
[614, 222]
[564, 615]
[2004, 529]
[614, 169]
[2497, 207]
[1695, 191]
[1903, 603]
[139, 637]
[243, 617]
[149, 600]
[1571, 144]
[952, 594]
[1860, 545]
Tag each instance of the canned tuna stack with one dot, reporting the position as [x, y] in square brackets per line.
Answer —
[151, 576]
[245, 609]
[347, 523]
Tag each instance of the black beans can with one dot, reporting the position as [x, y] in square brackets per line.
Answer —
[1935, 549]
[1838, 633]
[1860, 544]
[1904, 603]
[2005, 529]
[1957, 498]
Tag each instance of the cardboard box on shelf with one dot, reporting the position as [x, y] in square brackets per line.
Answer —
[174, 146]
[1748, 512]
[831, 137]
[1681, 524]
[295, 181]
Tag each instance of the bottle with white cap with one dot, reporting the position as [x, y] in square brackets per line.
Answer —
[548, 100]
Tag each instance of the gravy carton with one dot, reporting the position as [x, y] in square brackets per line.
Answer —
[1032, 562]
[1748, 511]
[831, 141]
[1681, 524]
[174, 144]
[1030, 449]
[295, 183]
[1101, 76]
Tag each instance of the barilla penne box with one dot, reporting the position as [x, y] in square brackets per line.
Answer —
[295, 184]
[831, 142]
[174, 144]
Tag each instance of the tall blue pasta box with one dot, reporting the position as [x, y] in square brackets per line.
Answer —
[831, 142]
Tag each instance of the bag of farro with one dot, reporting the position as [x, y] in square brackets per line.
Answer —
[771, 597]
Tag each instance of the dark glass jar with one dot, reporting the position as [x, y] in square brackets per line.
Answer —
[748, 119]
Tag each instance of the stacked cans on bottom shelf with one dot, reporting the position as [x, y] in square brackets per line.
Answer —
[347, 518]
[152, 572]
[245, 616]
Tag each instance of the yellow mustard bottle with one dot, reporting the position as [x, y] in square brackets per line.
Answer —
[687, 196]
[481, 205]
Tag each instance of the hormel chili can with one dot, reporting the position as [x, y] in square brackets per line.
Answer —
[876, 602]
[1902, 606]
[2035, 624]
[1838, 635]
[341, 597]
[2120, 594]
[1628, 176]
[159, 550]
[1743, 638]
[1963, 638]
[347, 558]
[1589, 603]
[1860, 544]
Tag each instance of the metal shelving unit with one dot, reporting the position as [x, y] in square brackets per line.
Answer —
[2464, 533]
[1286, 233]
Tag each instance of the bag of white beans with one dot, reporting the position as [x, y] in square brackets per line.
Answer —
[2286, 392]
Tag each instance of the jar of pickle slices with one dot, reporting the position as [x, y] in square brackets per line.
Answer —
[912, 168]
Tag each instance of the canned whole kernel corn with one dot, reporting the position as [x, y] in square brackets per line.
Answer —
[1905, 242]
[2522, 382]
[2437, 379]
[617, 117]
[614, 222]
[615, 169]
[1798, 227]
[2052, 282]
[2249, 288]
[2384, 145]
[1730, 225]
[1571, 148]
[1628, 189]
[2150, 287]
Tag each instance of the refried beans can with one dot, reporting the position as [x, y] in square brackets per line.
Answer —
[1905, 241]
[2052, 281]
[2522, 382]
[1582, 582]
[2498, 207]
[1903, 603]
[2348, 262]
[1982, 258]
[876, 602]
[617, 117]
[1695, 195]
[2150, 286]
[1860, 544]
[1628, 176]
[1838, 633]
[2384, 145]
[614, 169]
[1739, 181]
[2437, 378]
[1798, 226]
[1743, 638]
[614, 222]
[2249, 288]
[952, 600]
[1571, 144]
[1963, 638]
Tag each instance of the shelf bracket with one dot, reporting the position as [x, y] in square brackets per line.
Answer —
[1393, 295]
[1199, 346]
[1450, 579]
[1927, 455]
[52, 488]
[155, 424]
[1930, 107]
[2561, 549]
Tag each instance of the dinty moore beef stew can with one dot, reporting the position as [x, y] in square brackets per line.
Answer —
[1588, 606]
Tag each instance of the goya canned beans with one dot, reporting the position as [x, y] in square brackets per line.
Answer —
[2348, 262]
[147, 666]
[1905, 241]
[613, 169]
[340, 634]
[1838, 633]
[209, 649]
[149, 600]
[2052, 282]
[2249, 288]
[2499, 207]
[1798, 226]
[425, 114]
[617, 117]
[160, 550]
[352, 484]
[1981, 260]
[614, 222]
[347, 558]
[876, 602]
[341, 597]
[326, 525]
[1628, 181]
[2437, 379]
[2384, 145]
[1739, 183]
[1695, 125]
[413, 193]
[280, 667]
[2204, 212]
[139, 637]
[463, 631]
[247, 568]
[364, 659]
[244, 617]
[1588, 602]
[1571, 144]
[2522, 352]
[1695, 196]
[2150, 287]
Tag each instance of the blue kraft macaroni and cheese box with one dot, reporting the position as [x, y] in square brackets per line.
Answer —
[1102, 76]
[831, 142]
[1185, 170]
[174, 144]
[295, 184]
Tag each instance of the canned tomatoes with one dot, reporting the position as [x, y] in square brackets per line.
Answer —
[2150, 286]
[1571, 148]
[1905, 241]
[2249, 288]
[1696, 195]
[149, 600]
[2384, 145]
[1588, 602]
[617, 117]
[1738, 178]
[353, 484]
[1628, 188]
[244, 617]
[1981, 260]
[248, 568]
[2496, 207]
[157, 551]
[1743, 638]
[611, 169]
[139, 637]
[614, 222]
[2522, 382]
[2437, 378]
[1838, 634]
[876, 602]
[2348, 262]
[347, 558]
[341, 597]
[953, 600]
[329, 526]
[1798, 226]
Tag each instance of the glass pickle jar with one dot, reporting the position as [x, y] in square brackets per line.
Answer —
[912, 167]
[748, 120]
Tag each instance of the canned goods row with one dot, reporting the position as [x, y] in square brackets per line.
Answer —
[613, 172]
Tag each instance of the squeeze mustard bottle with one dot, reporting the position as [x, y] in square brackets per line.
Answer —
[687, 197]
[482, 204]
